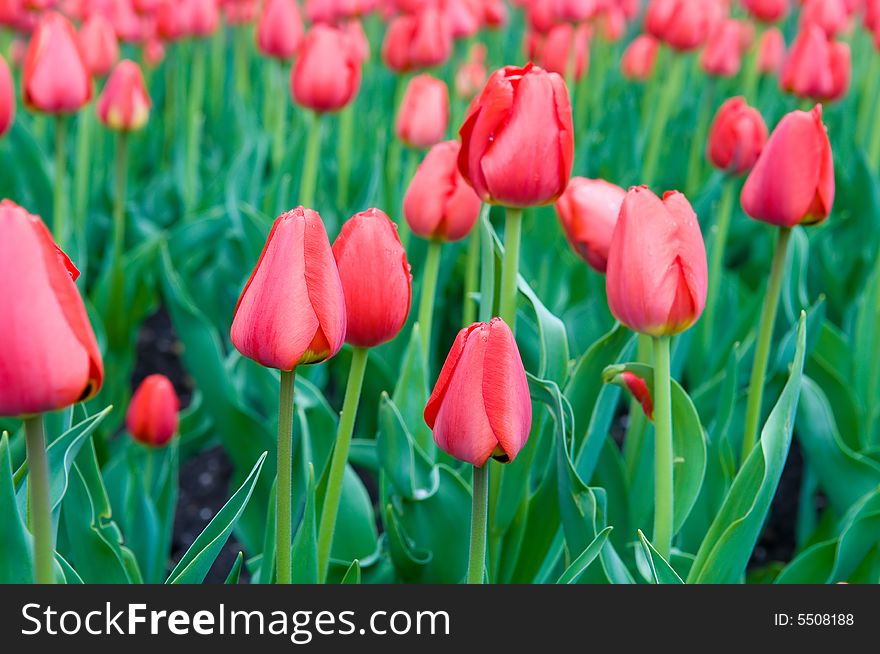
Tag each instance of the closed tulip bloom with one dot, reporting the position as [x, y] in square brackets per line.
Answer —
[639, 57]
[375, 278]
[480, 406]
[280, 29]
[154, 52]
[439, 204]
[7, 98]
[816, 67]
[793, 180]
[736, 137]
[517, 138]
[415, 41]
[722, 55]
[554, 50]
[424, 112]
[657, 276]
[152, 416]
[49, 359]
[832, 16]
[327, 74]
[129, 26]
[768, 11]
[99, 45]
[840, 61]
[170, 19]
[357, 39]
[292, 310]
[56, 78]
[471, 75]
[464, 16]
[588, 212]
[682, 24]
[612, 23]
[771, 51]
[203, 16]
[124, 104]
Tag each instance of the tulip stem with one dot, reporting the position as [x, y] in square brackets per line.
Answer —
[310, 165]
[510, 266]
[429, 292]
[240, 63]
[866, 101]
[487, 265]
[663, 454]
[283, 533]
[698, 142]
[762, 349]
[282, 97]
[194, 113]
[479, 516]
[218, 70]
[119, 199]
[668, 93]
[343, 156]
[59, 213]
[716, 262]
[471, 277]
[38, 494]
[751, 74]
[83, 173]
[340, 458]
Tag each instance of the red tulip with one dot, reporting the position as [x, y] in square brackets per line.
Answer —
[771, 51]
[588, 212]
[128, 25]
[357, 38]
[464, 16]
[657, 278]
[722, 55]
[415, 41]
[736, 137]
[768, 11]
[639, 57]
[554, 50]
[49, 359]
[480, 406]
[439, 204]
[682, 24]
[154, 52]
[292, 310]
[7, 98]
[124, 104]
[240, 12]
[171, 20]
[831, 16]
[637, 387]
[517, 138]
[471, 75]
[152, 416]
[202, 18]
[612, 23]
[816, 68]
[375, 278]
[424, 112]
[327, 74]
[99, 46]
[841, 70]
[280, 29]
[793, 180]
[56, 78]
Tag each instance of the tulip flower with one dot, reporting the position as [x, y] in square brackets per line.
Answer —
[517, 149]
[736, 137]
[471, 75]
[816, 68]
[722, 55]
[424, 113]
[419, 40]
[280, 29]
[202, 17]
[831, 16]
[49, 359]
[792, 183]
[7, 98]
[480, 408]
[634, 385]
[152, 416]
[124, 104]
[768, 11]
[377, 284]
[682, 24]
[638, 59]
[771, 52]
[554, 51]
[99, 46]
[291, 312]
[588, 212]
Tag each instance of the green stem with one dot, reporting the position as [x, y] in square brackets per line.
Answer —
[195, 119]
[119, 199]
[310, 165]
[283, 533]
[669, 93]
[716, 262]
[636, 422]
[340, 457]
[874, 146]
[487, 265]
[240, 61]
[59, 212]
[698, 142]
[751, 75]
[38, 491]
[281, 99]
[663, 455]
[395, 149]
[477, 559]
[169, 115]
[83, 173]
[866, 101]
[510, 266]
[343, 156]
[429, 291]
[762, 349]
[471, 277]
[412, 164]
[115, 317]
[218, 69]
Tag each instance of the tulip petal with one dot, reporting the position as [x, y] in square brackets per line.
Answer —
[324, 289]
[446, 373]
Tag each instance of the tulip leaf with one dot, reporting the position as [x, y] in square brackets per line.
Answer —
[409, 469]
[353, 575]
[661, 571]
[195, 564]
[586, 558]
[304, 554]
[727, 547]
[68, 574]
[866, 351]
[411, 392]
[16, 558]
[235, 573]
[355, 535]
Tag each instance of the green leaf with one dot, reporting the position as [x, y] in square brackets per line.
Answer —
[355, 535]
[353, 576]
[661, 571]
[235, 573]
[582, 562]
[725, 552]
[16, 557]
[69, 575]
[411, 393]
[409, 469]
[305, 544]
[199, 558]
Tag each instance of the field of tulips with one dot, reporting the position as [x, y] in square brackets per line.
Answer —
[459, 291]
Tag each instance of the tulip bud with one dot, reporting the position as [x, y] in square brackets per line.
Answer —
[771, 52]
[480, 406]
[124, 104]
[129, 27]
[471, 75]
[657, 277]
[327, 74]
[722, 55]
[415, 41]
[56, 79]
[439, 204]
[357, 38]
[170, 20]
[7, 98]
[517, 138]
[203, 16]
[240, 12]
[682, 24]
[612, 23]
[154, 52]
[793, 180]
[424, 112]
[280, 29]
[292, 310]
[634, 385]
[554, 49]
[831, 16]
[736, 137]
[816, 68]
[100, 49]
[638, 59]
[840, 61]
[768, 11]
[49, 359]
[152, 416]
[588, 212]
[375, 278]
[464, 17]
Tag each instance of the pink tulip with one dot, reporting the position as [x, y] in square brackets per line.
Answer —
[588, 212]
[7, 98]
[554, 50]
[327, 74]
[152, 416]
[56, 78]
[722, 55]
[768, 11]
[639, 57]
[280, 29]
[100, 49]
[771, 52]
[471, 75]
[736, 137]
[831, 16]
[124, 104]
[424, 112]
